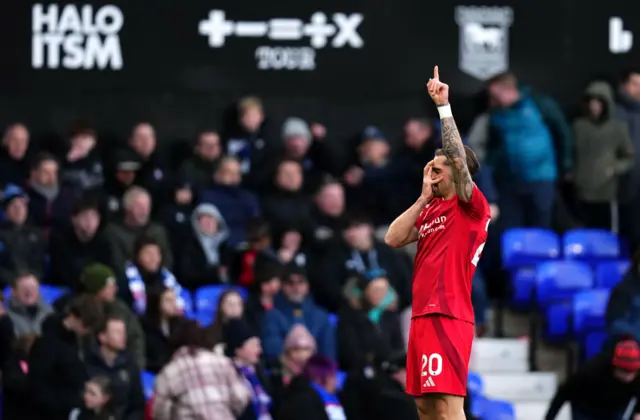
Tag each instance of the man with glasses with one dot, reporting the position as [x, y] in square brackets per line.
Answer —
[294, 305]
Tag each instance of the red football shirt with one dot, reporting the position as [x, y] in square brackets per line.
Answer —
[452, 236]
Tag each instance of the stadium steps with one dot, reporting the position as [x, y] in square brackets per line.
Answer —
[503, 364]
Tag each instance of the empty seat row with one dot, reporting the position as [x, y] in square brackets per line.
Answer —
[537, 282]
[567, 279]
[523, 247]
[566, 291]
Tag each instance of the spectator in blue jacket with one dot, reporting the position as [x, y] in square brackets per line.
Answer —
[236, 204]
[525, 130]
[296, 306]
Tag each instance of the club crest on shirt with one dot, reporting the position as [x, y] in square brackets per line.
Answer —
[430, 226]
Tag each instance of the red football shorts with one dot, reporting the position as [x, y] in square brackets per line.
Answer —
[438, 355]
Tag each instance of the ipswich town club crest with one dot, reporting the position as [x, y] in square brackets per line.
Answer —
[484, 40]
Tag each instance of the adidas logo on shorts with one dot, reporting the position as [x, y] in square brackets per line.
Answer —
[429, 383]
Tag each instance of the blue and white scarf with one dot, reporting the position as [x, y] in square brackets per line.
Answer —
[331, 403]
[139, 290]
[260, 400]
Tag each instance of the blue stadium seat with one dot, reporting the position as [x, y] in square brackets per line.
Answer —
[499, 410]
[556, 284]
[148, 380]
[523, 286]
[207, 296]
[528, 246]
[590, 245]
[589, 307]
[609, 273]
[341, 376]
[50, 294]
[205, 317]
[475, 385]
[478, 404]
[593, 342]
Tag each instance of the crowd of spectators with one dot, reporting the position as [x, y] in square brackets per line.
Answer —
[126, 230]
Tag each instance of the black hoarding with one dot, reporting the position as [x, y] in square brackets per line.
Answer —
[349, 62]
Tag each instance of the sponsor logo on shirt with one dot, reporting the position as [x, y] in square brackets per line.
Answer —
[433, 225]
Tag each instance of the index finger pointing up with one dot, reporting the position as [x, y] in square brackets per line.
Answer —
[436, 75]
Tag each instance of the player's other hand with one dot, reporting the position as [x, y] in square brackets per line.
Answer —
[428, 180]
[438, 91]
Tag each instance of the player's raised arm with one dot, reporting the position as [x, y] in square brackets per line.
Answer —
[452, 146]
[403, 230]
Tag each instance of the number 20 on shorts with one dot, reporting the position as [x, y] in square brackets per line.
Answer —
[431, 364]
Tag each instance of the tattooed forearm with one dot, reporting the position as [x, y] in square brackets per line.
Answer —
[454, 151]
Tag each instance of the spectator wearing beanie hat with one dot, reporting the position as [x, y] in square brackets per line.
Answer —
[243, 347]
[299, 346]
[313, 395]
[99, 280]
[368, 329]
[305, 144]
[604, 387]
[22, 245]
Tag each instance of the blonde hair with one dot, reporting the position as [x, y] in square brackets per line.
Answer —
[132, 193]
[249, 102]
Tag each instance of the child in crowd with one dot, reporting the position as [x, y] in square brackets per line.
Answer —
[97, 401]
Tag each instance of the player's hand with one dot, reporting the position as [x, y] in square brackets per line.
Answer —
[438, 91]
[428, 180]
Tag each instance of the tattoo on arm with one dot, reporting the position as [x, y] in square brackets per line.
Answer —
[454, 151]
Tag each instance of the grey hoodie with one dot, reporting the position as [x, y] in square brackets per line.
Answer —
[24, 321]
[601, 146]
[210, 243]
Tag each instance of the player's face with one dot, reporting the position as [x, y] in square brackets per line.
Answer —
[440, 167]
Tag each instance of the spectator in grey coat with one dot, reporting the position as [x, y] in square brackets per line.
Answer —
[603, 153]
